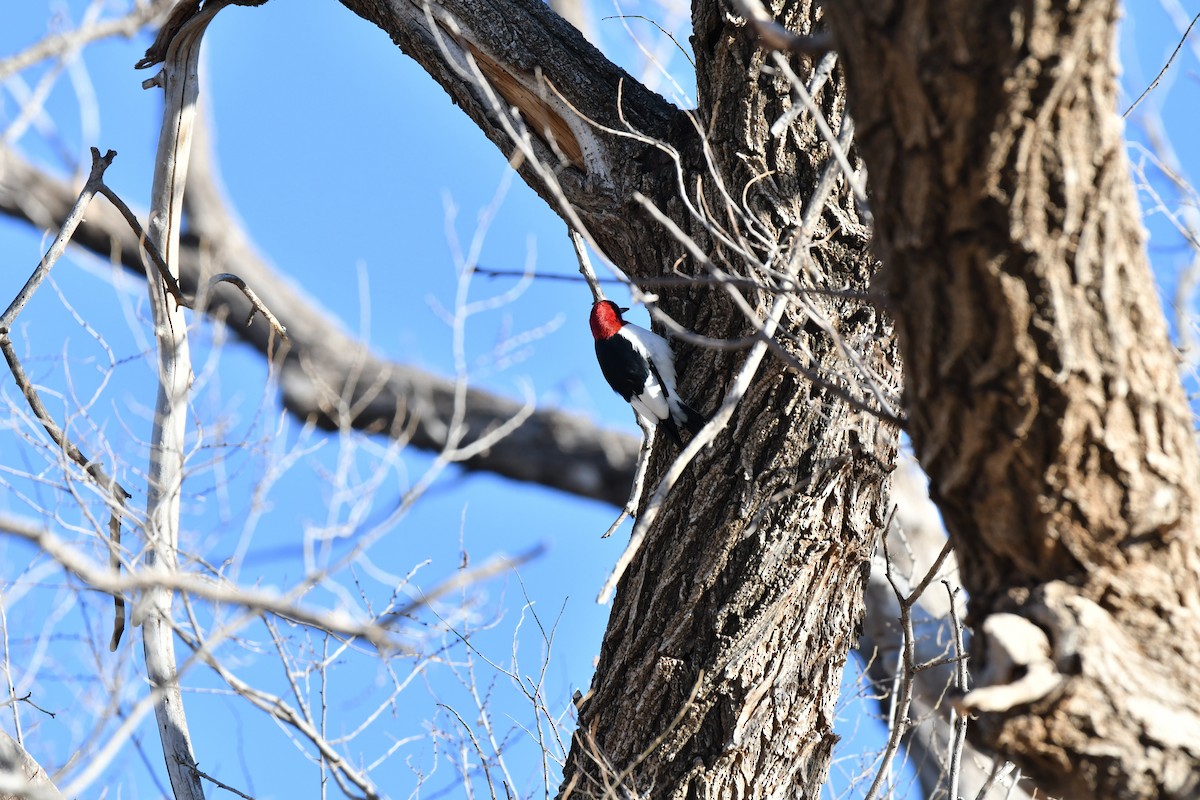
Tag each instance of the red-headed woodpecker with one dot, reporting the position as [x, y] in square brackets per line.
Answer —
[639, 365]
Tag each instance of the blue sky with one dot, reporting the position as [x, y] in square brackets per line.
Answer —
[354, 174]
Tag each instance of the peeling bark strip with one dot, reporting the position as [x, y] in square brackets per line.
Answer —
[541, 116]
[535, 48]
[1043, 393]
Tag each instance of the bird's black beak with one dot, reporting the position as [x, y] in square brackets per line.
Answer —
[622, 310]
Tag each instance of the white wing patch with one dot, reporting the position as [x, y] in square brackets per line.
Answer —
[656, 402]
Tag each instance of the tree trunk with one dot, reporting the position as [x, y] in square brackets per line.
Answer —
[721, 664]
[1043, 394]
[724, 652]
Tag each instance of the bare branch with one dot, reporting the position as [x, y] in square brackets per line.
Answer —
[899, 721]
[21, 777]
[959, 720]
[178, 46]
[775, 36]
[217, 783]
[117, 493]
[639, 481]
[916, 538]
[94, 185]
[1163, 71]
[380, 632]
[150, 248]
[259, 306]
[320, 360]
[543, 68]
[62, 43]
[585, 266]
[72, 221]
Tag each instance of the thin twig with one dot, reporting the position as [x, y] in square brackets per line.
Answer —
[258, 305]
[639, 477]
[284, 714]
[540, 276]
[377, 632]
[931, 573]
[1162, 71]
[160, 263]
[487, 774]
[898, 723]
[28, 699]
[961, 677]
[8, 675]
[96, 185]
[801, 91]
[585, 265]
[683, 51]
[216, 782]
[690, 281]
[90, 188]
[117, 493]
[496, 565]
[59, 44]
[999, 770]
[776, 37]
[172, 284]
[903, 691]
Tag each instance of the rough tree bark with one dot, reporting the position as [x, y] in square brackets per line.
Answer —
[1043, 394]
[725, 648]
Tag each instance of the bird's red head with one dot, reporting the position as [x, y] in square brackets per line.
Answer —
[606, 319]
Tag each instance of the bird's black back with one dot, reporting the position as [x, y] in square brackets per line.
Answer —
[625, 371]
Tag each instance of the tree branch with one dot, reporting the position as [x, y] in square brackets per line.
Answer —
[21, 777]
[575, 102]
[325, 374]
[180, 82]
[915, 540]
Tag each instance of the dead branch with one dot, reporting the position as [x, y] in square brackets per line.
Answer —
[117, 494]
[178, 47]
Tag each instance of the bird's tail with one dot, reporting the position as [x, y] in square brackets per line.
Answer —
[692, 420]
[672, 430]
[682, 415]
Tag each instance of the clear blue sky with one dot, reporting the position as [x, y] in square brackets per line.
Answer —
[343, 159]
